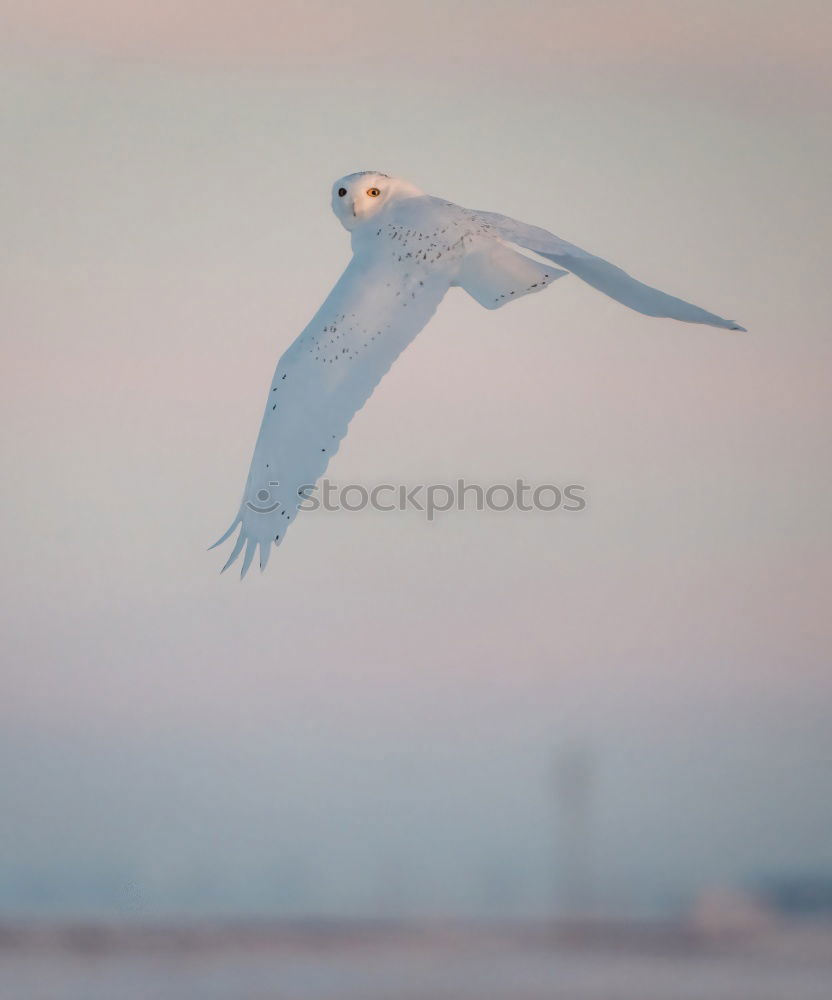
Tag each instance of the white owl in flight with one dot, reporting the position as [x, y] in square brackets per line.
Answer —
[408, 250]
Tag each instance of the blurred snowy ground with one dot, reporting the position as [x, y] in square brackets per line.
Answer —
[360, 961]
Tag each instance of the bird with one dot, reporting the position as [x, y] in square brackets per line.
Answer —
[408, 249]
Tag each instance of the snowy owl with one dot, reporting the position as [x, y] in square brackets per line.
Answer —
[408, 249]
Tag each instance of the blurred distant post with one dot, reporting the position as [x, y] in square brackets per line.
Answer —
[574, 779]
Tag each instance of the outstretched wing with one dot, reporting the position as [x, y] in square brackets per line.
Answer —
[322, 380]
[606, 277]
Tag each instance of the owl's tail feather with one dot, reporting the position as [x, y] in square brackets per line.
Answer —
[497, 274]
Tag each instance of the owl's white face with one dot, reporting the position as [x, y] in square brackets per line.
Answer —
[358, 197]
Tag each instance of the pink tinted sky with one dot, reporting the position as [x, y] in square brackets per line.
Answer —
[744, 41]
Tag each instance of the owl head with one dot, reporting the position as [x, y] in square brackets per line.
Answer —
[358, 197]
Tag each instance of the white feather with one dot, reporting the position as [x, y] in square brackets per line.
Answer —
[408, 249]
[606, 277]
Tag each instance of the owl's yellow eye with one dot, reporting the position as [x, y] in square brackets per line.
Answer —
[373, 192]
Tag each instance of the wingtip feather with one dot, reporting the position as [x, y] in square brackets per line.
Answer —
[238, 545]
[251, 548]
[227, 534]
[265, 552]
